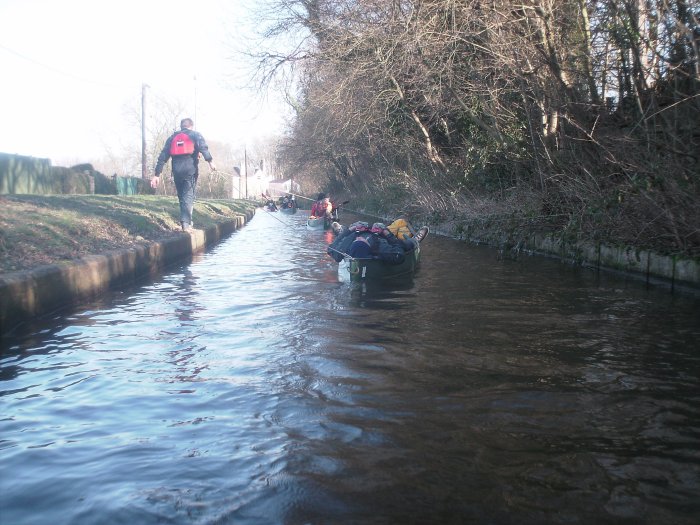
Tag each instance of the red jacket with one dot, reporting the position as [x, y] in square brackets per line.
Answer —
[321, 209]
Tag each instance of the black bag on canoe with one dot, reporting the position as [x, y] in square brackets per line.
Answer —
[341, 245]
[391, 254]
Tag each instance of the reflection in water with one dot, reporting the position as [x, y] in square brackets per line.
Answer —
[183, 340]
[186, 295]
[252, 387]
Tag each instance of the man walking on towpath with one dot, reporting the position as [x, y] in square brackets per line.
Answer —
[184, 147]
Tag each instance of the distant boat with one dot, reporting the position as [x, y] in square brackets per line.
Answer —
[288, 204]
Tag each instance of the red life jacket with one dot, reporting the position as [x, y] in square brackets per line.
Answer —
[318, 209]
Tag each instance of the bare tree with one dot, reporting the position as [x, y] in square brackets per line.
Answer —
[579, 106]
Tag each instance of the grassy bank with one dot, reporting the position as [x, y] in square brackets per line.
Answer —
[48, 229]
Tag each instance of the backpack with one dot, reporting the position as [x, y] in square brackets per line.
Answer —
[182, 144]
[400, 229]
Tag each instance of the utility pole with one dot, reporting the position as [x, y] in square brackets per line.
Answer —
[144, 167]
[195, 100]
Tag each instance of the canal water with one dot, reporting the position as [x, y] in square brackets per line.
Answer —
[250, 386]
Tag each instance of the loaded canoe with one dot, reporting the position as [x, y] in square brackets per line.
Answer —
[355, 270]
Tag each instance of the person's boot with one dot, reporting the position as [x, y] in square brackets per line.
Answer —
[422, 233]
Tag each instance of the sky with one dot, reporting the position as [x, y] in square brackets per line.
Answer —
[73, 71]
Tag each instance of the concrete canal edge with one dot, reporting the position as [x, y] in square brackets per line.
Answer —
[673, 272]
[27, 295]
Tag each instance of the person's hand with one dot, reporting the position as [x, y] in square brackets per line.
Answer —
[212, 166]
[154, 182]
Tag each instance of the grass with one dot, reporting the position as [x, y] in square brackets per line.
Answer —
[36, 230]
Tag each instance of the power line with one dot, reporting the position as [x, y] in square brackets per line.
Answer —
[60, 71]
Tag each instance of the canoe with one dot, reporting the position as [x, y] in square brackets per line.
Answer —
[288, 211]
[355, 270]
[318, 223]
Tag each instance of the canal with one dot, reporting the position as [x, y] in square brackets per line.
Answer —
[251, 387]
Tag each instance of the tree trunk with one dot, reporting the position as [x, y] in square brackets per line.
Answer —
[587, 54]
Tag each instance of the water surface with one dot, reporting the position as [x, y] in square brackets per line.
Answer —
[251, 387]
